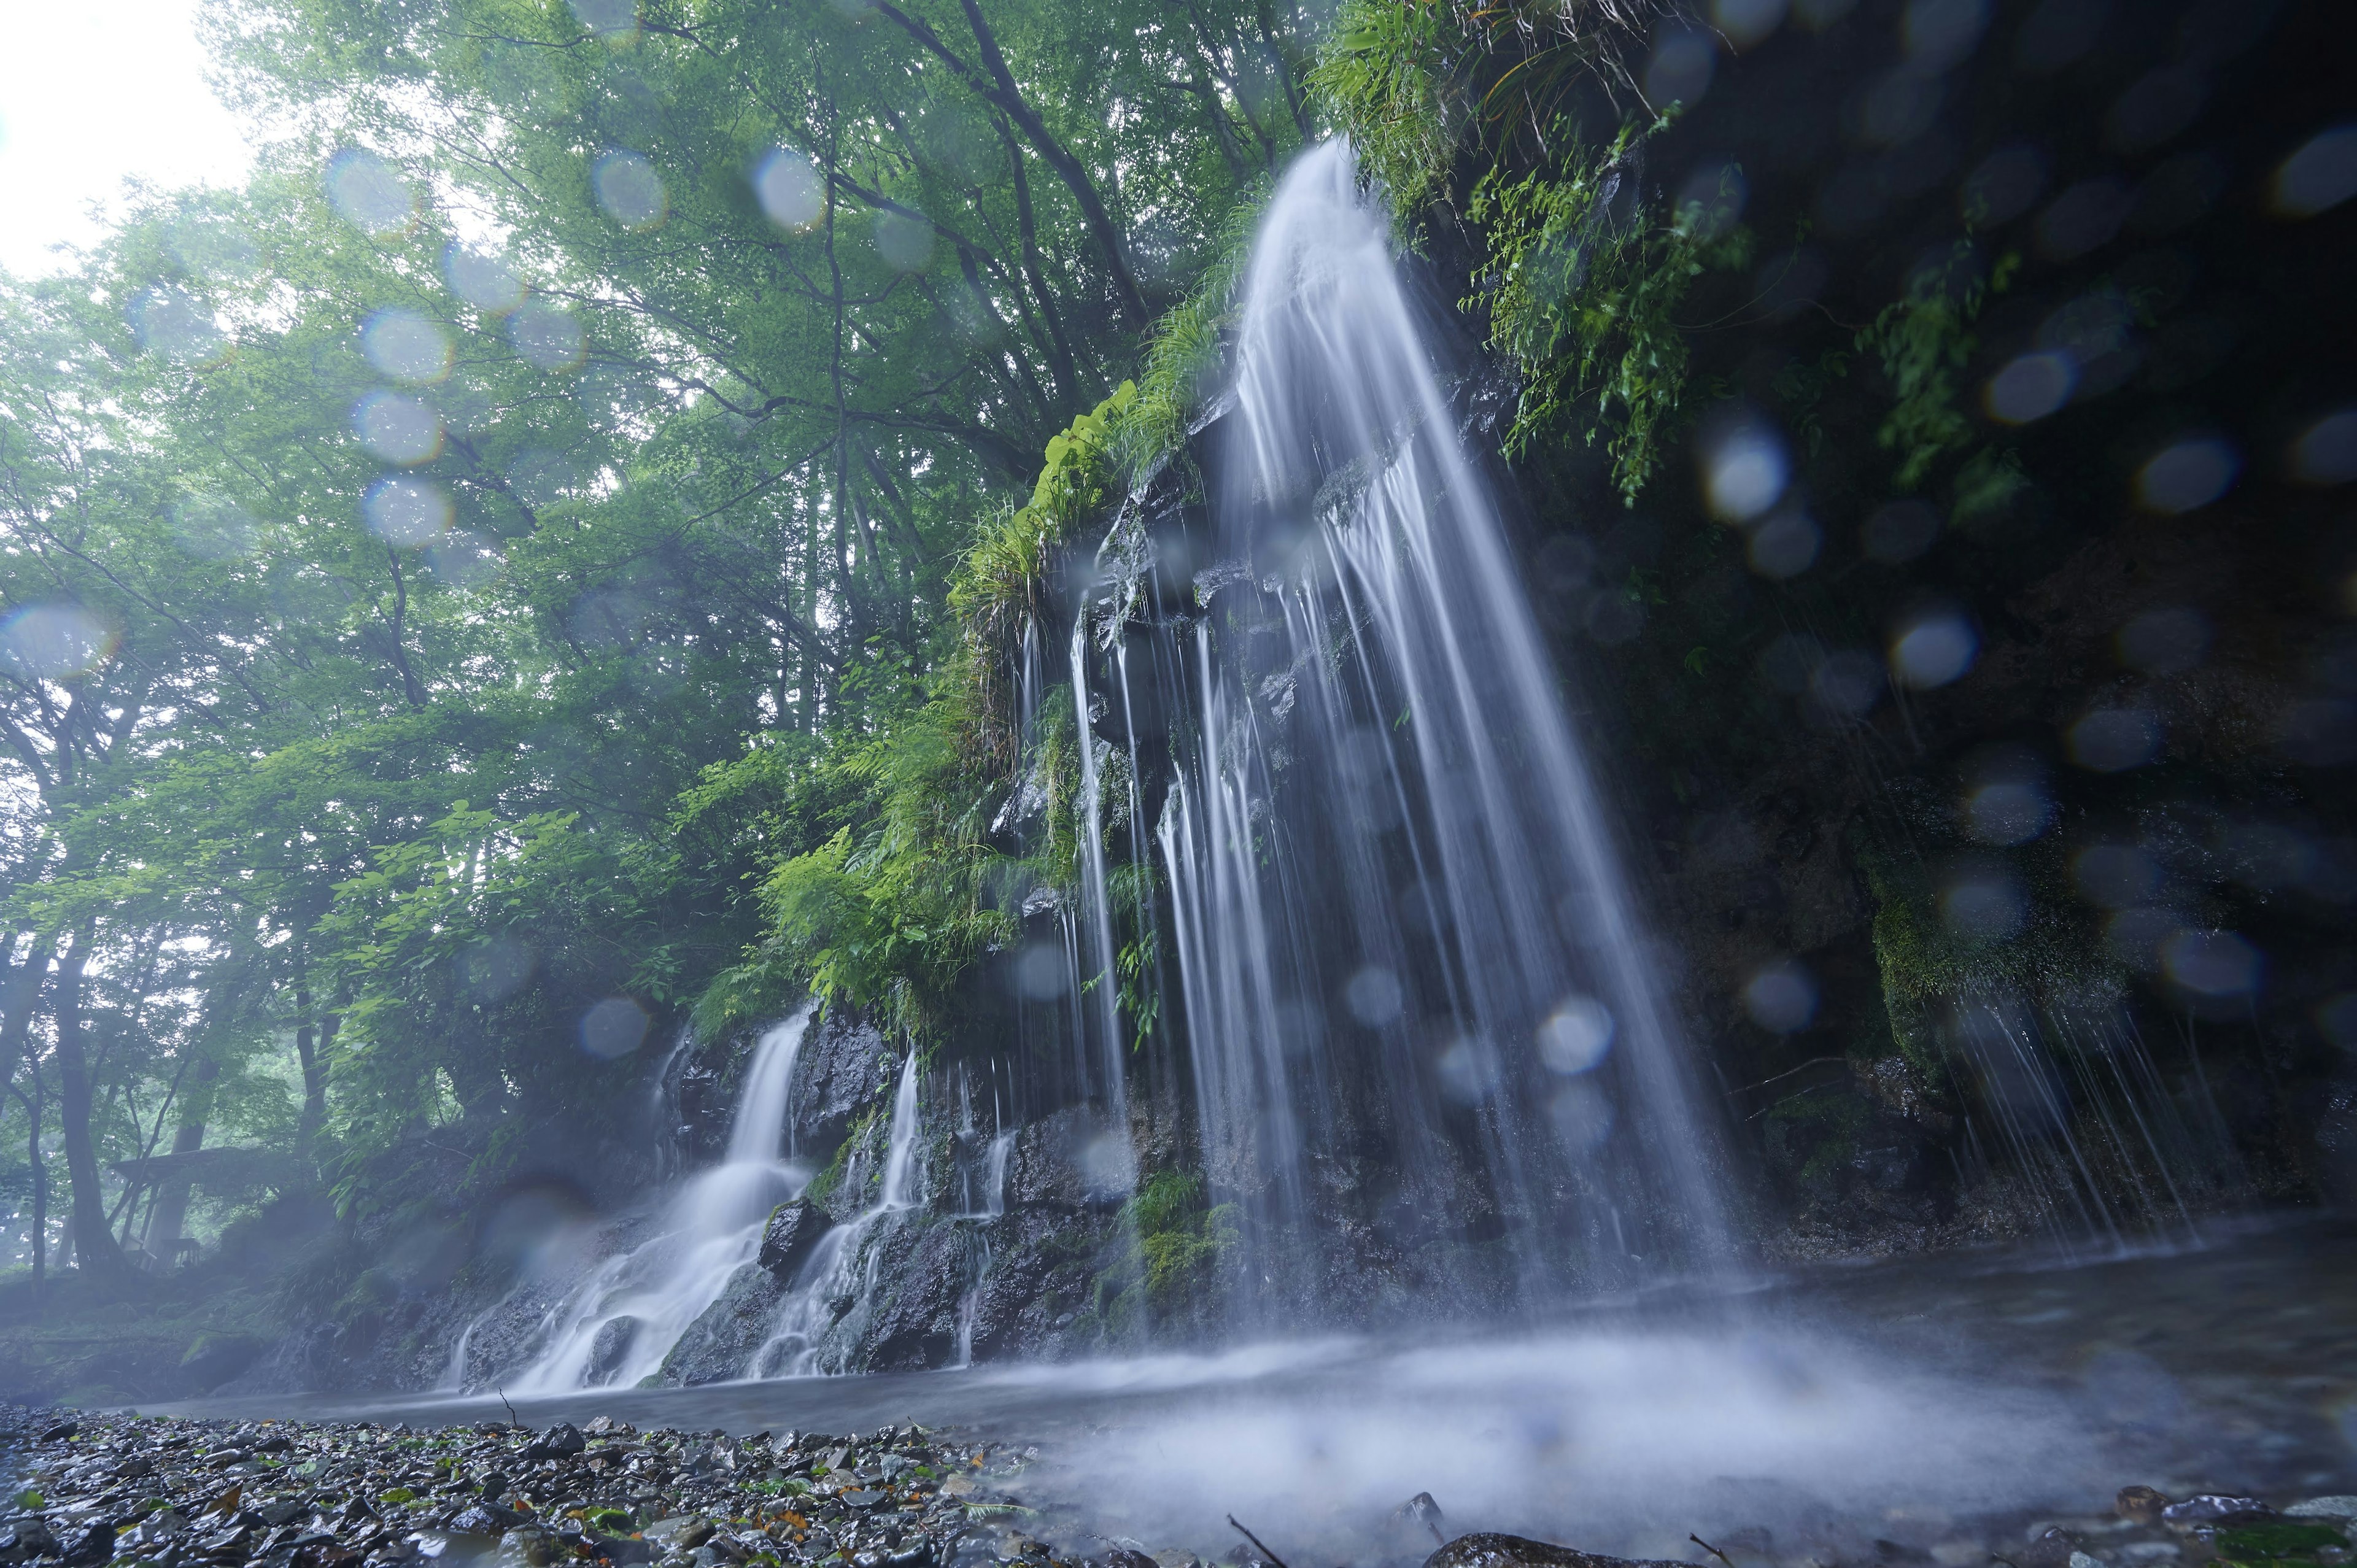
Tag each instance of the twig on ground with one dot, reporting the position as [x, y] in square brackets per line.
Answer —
[1274, 1560]
[513, 1419]
[1714, 1550]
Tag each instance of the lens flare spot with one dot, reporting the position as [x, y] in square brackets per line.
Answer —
[1847, 685]
[1932, 650]
[1576, 1036]
[2003, 186]
[2168, 641]
[496, 970]
[484, 282]
[2211, 963]
[1940, 33]
[2326, 452]
[2318, 177]
[2010, 812]
[1042, 973]
[547, 335]
[1782, 998]
[173, 325]
[1900, 531]
[2030, 386]
[1467, 1070]
[405, 512]
[613, 1029]
[1744, 469]
[55, 642]
[615, 20]
[787, 185]
[630, 190]
[1784, 543]
[905, 241]
[1983, 907]
[1373, 996]
[2188, 475]
[406, 347]
[212, 528]
[1582, 1114]
[398, 429]
[2113, 740]
[370, 193]
[1681, 69]
[1747, 24]
[2115, 875]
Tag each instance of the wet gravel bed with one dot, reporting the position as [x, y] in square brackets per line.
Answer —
[89, 1488]
[82, 1489]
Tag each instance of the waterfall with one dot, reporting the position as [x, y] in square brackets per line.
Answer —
[1410, 966]
[617, 1325]
[845, 1263]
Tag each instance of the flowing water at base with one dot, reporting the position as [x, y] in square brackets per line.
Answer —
[1944, 1405]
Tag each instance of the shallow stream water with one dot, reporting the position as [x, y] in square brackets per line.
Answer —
[1916, 1411]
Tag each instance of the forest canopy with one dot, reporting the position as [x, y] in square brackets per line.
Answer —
[444, 576]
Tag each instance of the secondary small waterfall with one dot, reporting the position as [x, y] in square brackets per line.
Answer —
[617, 1325]
[1426, 1029]
[844, 1265]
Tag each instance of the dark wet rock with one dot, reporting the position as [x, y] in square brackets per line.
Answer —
[91, 1543]
[2051, 1548]
[1049, 1166]
[1042, 1273]
[793, 1229]
[839, 1073]
[1420, 1512]
[911, 1321]
[558, 1442]
[1487, 1550]
[2142, 1505]
[608, 1347]
[721, 1343]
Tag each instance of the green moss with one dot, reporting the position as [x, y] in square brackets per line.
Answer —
[1173, 1245]
[2275, 1541]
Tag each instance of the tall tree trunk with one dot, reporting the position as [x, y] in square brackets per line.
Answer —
[40, 1232]
[21, 997]
[311, 1042]
[171, 1210]
[94, 1246]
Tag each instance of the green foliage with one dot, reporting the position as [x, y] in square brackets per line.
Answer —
[1387, 75]
[1581, 287]
[1412, 81]
[1922, 341]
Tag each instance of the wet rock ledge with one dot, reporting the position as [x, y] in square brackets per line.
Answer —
[85, 1489]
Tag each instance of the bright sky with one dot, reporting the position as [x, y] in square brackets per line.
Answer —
[91, 92]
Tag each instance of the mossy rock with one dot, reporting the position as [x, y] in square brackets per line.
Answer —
[2278, 1541]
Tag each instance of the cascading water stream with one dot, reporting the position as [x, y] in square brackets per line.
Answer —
[1407, 947]
[843, 1264]
[616, 1327]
